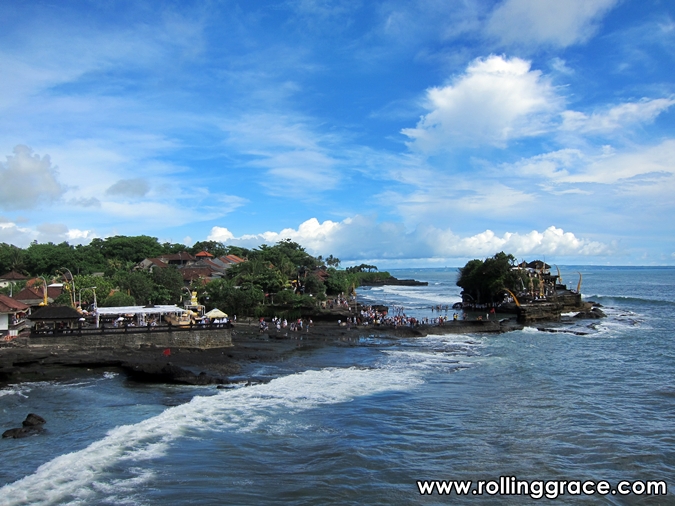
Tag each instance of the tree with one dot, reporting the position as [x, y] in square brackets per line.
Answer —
[168, 285]
[128, 249]
[11, 258]
[332, 261]
[118, 299]
[217, 249]
[484, 281]
[223, 294]
[138, 284]
[48, 258]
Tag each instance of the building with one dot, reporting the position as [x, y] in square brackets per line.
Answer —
[11, 278]
[202, 266]
[12, 315]
[34, 296]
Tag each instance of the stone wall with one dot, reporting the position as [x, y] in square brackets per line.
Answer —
[198, 338]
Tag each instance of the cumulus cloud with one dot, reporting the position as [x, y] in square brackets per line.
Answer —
[12, 233]
[607, 167]
[552, 22]
[615, 117]
[495, 100]
[28, 181]
[129, 188]
[362, 237]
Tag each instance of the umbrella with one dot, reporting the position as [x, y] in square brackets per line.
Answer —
[216, 313]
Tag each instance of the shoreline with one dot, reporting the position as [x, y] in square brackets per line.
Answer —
[194, 366]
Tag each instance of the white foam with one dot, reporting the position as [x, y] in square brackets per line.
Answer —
[79, 477]
[20, 390]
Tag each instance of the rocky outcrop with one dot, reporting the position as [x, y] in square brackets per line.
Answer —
[31, 425]
[592, 314]
[167, 373]
[395, 281]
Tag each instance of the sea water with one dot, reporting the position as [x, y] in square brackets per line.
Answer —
[362, 422]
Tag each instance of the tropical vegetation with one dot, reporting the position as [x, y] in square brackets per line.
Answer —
[485, 281]
[280, 276]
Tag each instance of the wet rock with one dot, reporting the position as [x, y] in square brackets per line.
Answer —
[31, 425]
[33, 420]
[594, 313]
[167, 373]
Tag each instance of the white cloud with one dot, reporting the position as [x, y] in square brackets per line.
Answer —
[497, 99]
[617, 117]
[28, 181]
[129, 188]
[551, 22]
[608, 166]
[362, 237]
[11, 233]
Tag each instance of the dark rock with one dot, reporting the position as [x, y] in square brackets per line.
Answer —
[17, 433]
[394, 281]
[31, 425]
[167, 373]
[33, 420]
[593, 314]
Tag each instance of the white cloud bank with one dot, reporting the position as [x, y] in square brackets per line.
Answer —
[615, 117]
[22, 236]
[362, 238]
[495, 100]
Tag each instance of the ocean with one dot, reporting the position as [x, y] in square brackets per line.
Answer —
[579, 401]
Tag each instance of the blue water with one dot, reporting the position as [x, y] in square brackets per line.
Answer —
[360, 424]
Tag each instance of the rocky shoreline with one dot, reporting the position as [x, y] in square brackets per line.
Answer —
[193, 366]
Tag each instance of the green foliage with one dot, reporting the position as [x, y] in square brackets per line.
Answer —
[224, 295]
[128, 249]
[11, 258]
[48, 258]
[168, 285]
[362, 268]
[269, 270]
[338, 282]
[258, 273]
[217, 249]
[285, 251]
[63, 299]
[118, 299]
[332, 261]
[84, 284]
[314, 285]
[138, 284]
[484, 280]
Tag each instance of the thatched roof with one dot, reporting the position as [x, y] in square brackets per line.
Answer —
[52, 313]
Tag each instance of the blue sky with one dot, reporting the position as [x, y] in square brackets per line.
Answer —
[406, 133]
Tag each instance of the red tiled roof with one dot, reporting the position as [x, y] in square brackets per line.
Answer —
[204, 254]
[9, 305]
[183, 255]
[192, 273]
[232, 259]
[13, 276]
[29, 293]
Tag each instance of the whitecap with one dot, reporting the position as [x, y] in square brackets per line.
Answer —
[77, 476]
